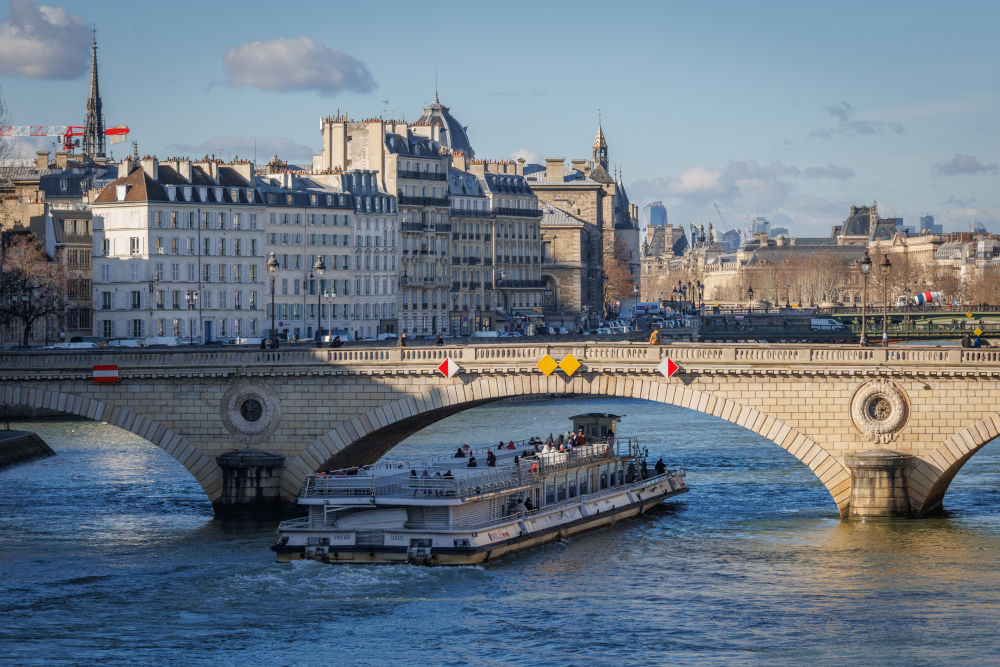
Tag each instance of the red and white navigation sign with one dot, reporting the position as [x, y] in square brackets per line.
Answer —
[667, 367]
[449, 368]
[106, 373]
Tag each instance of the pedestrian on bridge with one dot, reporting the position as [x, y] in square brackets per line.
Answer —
[654, 338]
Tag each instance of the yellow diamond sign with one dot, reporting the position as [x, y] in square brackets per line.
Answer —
[546, 364]
[569, 364]
[968, 314]
[978, 331]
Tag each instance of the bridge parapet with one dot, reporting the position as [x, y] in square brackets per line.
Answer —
[524, 355]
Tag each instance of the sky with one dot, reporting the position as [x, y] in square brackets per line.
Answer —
[789, 110]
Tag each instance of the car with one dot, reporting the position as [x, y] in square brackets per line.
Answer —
[485, 334]
[161, 341]
[386, 336]
[124, 342]
[345, 336]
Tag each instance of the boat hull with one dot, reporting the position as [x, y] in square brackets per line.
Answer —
[476, 554]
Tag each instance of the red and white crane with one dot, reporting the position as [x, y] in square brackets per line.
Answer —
[68, 134]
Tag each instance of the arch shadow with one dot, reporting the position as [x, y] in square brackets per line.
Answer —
[203, 468]
[932, 475]
[364, 438]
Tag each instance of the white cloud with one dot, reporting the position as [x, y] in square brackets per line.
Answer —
[698, 181]
[961, 165]
[847, 125]
[40, 42]
[530, 156]
[299, 64]
[233, 146]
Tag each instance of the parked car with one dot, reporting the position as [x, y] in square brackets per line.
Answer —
[825, 324]
[485, 334]
[124, 342]
[72, 346]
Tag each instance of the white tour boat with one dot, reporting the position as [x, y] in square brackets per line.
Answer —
[443, 512]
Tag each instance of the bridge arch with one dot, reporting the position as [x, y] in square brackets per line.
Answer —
[364, 438]
[932, 475]
[202, 468]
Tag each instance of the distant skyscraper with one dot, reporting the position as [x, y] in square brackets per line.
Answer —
[93, 126]
[657, 214]
[927, 225]
[759, 225]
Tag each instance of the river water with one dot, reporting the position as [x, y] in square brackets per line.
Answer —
[109, 553]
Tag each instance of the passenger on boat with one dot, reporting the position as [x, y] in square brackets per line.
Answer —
[413, 473]
[459, 454]
[448, 475]
[491, 458]
[660, 467]
[510, 445]
[467, 449]
[520, 507]
[528, 505]
[580, 438]
[549, 440]
[537, 447]
[517, 461]
[560, 440]
[472, 463]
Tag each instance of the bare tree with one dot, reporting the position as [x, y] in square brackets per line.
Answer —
[31, 287]
[620, 283]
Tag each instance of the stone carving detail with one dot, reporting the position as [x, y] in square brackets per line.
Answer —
[879, 410]
[251, 412]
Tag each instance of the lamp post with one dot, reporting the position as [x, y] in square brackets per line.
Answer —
[750, 297]
[191, 296]
[788, 301]
[701, 295]
[884, 268]
[329, 294]
[153, 282]
[906, 307]
[272, 268]
[865, 263]
[319, 268]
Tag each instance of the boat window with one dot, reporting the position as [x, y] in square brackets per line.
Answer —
[603, 472]
[584, 482]
[614, 476]
[561, 487]
[572, 484]
[550, 491]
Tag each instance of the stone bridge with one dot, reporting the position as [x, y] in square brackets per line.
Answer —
[884, 429]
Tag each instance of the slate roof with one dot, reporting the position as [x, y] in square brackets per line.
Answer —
[453, 133]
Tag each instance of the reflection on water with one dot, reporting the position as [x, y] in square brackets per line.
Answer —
[108, 551]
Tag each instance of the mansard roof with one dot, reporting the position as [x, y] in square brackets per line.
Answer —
[453, 133]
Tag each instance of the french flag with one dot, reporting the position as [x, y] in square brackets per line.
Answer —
[106, 373]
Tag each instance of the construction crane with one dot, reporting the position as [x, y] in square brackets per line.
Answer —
[68, 134]
[719, 211]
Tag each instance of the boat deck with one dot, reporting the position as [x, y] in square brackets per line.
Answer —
[449, 479]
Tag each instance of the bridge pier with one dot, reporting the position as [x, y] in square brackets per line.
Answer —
[878, 483]
[250, 482]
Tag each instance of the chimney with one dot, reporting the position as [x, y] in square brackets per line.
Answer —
[460, 161]
[478, 169]
[244, 169]
[151, 166]
[579, 165]
[554, 169]
[61, 159]
[493, 167]
[587, 168]
[41, 159]
[520, 166]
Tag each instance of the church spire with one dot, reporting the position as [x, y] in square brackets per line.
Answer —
[93, 126]
[600, 145]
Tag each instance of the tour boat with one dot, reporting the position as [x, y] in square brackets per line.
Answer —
[443, 512]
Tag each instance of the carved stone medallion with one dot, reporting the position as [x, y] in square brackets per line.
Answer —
[251, 412]
[879, 410]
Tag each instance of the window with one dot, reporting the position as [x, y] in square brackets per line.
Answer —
[106, 300]
[106, 247]
[137, 328]
[136, 299]
[105, 273]
[133, 245]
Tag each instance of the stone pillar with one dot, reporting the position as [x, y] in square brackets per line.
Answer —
[878, 483]
[250, 482]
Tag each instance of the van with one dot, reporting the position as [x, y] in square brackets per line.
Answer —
[161, 341]
[124, 342]
[345, 336]
[825, 324]
[485, 334]
[72, 346]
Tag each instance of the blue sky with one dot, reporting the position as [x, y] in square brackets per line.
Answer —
[791, 110]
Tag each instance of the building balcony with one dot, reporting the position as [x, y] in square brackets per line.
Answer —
[406, 200]
[517, 212]
[469, 215]
[421, 175]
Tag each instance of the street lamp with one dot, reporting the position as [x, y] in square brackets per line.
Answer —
[272, 268]
[750, 297]
[153, 282]
[865, 263]
[884, 268]
[329, 294]
[191, 296]
[319, 268]
[906, 306]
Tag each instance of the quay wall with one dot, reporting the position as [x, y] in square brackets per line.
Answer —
[21, 446]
